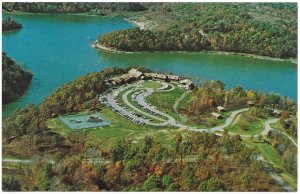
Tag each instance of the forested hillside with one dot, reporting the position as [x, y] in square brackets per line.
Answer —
[192, 161]
[89, 8]
[15, 79]
[261, 29]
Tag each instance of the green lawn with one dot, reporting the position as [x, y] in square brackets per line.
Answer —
[183, 105]
[151, 84]
[245, 127]
[120, 128]
[166, 100]
[268, 152]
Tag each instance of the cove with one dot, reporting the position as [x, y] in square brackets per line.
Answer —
[56, 48]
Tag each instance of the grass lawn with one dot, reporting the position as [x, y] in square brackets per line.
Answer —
[250, 127]
[183, 105]
[120, 128]
[166, 100]
[151, 84]
[268, 152]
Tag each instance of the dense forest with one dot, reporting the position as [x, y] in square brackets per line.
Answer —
[67, 7]
[242, 28]
[192, 162]
[150, 166]
[10, 24]
[15, 79]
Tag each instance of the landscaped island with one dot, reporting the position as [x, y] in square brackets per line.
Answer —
[159, 135]
[15, 79]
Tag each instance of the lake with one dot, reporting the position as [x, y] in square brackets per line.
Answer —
[56, 48]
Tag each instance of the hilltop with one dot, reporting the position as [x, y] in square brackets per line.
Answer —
[137, 130]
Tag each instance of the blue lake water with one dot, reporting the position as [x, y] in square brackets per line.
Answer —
[56, 48]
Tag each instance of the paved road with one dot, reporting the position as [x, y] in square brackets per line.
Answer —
[164, 87]
[269, 128]
[125, 99]
[141, 100]
[10, 160]
[218, 128]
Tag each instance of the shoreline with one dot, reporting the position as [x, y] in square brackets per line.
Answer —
[141, 25]
[112, 50]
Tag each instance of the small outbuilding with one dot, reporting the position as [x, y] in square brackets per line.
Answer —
[216, 115]
[221, 109]
[276, 112]
[187, 84]
[250, 103]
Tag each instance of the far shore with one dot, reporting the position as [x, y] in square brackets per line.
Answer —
[141, 25]
[112, 50]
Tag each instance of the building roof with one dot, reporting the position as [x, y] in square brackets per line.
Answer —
[276, 111]
[156, 75]
[250, 102]
[186, 82]
[216, 115]
[173, 77]
[135, 72]
[117, 78]
[220, 108]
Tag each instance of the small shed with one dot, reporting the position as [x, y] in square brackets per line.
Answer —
[216, 115]
[276, 112]
[221, 109]
[250, 103]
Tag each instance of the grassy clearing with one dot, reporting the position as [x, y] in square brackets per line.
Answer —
[166, 100]
[247, 125]
[120, 128]
[268, 152]
[183, 105]
[151, 84]
[154, 21]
